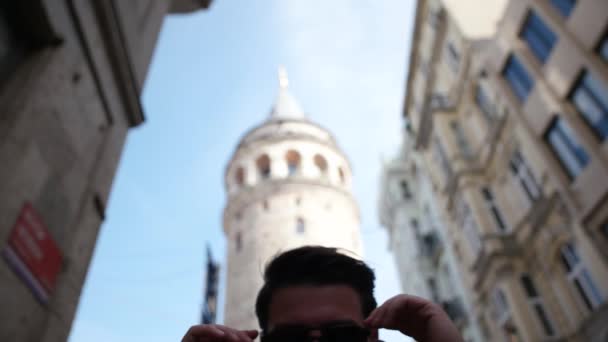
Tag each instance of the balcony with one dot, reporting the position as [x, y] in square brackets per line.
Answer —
[479, 161]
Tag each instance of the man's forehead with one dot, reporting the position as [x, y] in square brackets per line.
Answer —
[314, 305]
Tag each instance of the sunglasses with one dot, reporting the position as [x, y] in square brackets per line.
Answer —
[329, 333]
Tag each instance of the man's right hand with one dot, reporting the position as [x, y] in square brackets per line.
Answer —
[218, 333]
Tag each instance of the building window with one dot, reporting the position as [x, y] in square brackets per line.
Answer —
[580, 277]
[525, 177]
[293, 162]
[434, 17]
[493, 208]
[590, 97]
[461, 139]
[503, 317]
[441, 158]
[453, 57]
[321, 164]
[469, 226]
[300, 226]
[240, 176]
[564, 7]
[603, 48]
[604, 230]
[536, 304]
[566, 147]
[405, 190]
[483, 102]
[263, 164]
[415, 225]
[518, 77]
[265, 205]
[538, 36]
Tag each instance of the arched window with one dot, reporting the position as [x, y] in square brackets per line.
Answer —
[341, 174]
[263, 164]
[240, 176]
[580, 277]
[293, 162]
[300, 225]
[321, 163]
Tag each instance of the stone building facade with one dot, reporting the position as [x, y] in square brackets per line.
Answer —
[71, 73]
[512, 119]
[417, 237]
[288, 185]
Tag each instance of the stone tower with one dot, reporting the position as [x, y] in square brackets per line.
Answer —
[288, 185]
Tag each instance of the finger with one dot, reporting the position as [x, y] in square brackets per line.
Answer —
[374, 320]
[230, 334]
[196, 331]
[243, 337]
[380, 320]
[251, 333]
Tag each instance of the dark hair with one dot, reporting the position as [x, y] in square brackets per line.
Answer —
[315, 265]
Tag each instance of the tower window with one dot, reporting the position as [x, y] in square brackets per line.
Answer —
[265, 205]
[263, 164]
[240, 176]
[321, 164]
[300, 226]
[405, 190]
[341, 174]
[293, 162]
[238, 242]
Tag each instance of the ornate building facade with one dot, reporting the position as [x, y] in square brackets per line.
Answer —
[71, 74]
[417, 237]
[288, 185]
[511, 117]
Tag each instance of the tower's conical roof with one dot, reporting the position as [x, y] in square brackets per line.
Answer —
[285, 106]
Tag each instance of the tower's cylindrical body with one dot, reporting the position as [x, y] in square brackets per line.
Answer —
[288, 185]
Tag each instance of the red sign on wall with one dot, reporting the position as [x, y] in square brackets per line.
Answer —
[33, 254]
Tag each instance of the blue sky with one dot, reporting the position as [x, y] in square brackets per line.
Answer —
[212, 78]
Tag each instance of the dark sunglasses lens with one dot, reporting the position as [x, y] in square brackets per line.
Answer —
[346, 334]
[286, 335]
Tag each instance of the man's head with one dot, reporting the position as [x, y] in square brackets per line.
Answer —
[315, 287]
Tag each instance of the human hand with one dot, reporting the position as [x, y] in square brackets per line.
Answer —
[218, 333]
[415, 317]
